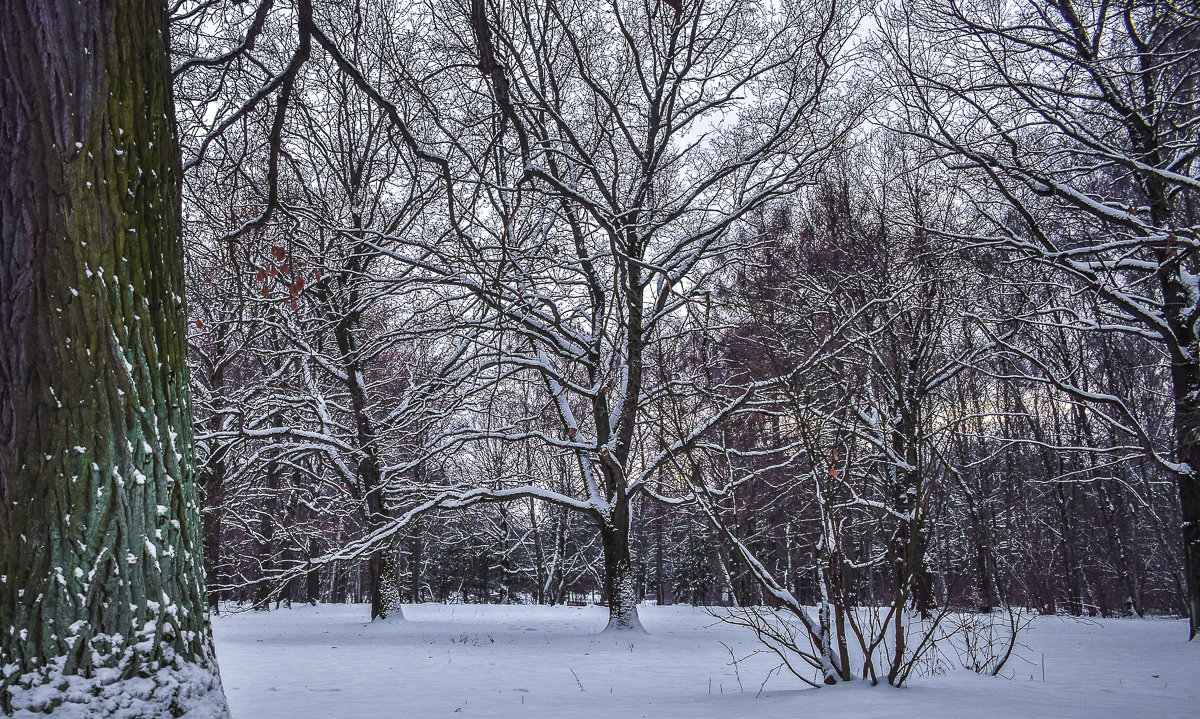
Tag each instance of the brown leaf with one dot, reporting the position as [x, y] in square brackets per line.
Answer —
[278, 253]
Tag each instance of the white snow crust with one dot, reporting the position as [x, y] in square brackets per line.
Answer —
[528, 661]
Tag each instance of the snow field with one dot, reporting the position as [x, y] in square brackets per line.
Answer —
[529, 661]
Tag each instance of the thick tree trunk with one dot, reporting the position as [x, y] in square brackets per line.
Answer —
[385, 585]
[912, 577]
[831, 614]
[907, 548]
[100, 546]
[618, 574]
[383, 567]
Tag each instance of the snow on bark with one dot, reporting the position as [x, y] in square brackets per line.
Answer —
[96, 451]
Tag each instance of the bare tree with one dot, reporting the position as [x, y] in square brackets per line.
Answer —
[1077, 121]
[851, 451]
[603, 194]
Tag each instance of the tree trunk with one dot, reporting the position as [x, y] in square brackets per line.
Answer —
[505, 563]
[1187, 437]
[385, 585]
[414, 564]
[908, 493]
[266, 589]
[618, 574]
[831, 614]
[558, 571]
[985, 581]
[312, 579]
[383, 567]
[99, 514]
[213, 485]
[541, 575]
[660, 585]
[1070, 561]
[989, 598]
[211, 479]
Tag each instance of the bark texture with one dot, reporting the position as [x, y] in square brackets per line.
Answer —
[100, 548]
[619, 586]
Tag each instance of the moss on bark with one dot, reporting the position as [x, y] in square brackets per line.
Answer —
[100, 553]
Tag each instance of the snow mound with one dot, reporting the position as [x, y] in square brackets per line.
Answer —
[189, 691]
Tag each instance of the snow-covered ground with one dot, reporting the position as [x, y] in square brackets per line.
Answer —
[527, 661]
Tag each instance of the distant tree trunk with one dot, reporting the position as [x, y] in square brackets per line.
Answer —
[99, 514]
[558, 571]
[265, 590]
[989, 598]
[1108, 512]
[660, 585]
[416, 545]
[1187, 433]
[980, 546]
[506, 570]
[541, 575]
[312, 578]
[1070, 561]
[1113, 511]
[212, 483]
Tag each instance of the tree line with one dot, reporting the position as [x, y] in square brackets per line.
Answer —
[891, 303]
[862, 313]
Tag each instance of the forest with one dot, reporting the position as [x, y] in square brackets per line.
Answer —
[873, 328]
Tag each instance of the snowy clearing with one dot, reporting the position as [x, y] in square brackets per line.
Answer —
[528, 661]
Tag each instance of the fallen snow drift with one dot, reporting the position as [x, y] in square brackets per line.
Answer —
[527, 661]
